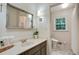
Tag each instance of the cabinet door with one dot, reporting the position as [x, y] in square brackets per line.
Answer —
[34, 50]
[43, 50]
[37, 53]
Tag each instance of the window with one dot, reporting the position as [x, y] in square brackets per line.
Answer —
[60, 24]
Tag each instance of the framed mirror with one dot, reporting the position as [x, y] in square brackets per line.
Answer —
[18, 18]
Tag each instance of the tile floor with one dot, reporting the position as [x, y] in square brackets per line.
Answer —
[60, 51]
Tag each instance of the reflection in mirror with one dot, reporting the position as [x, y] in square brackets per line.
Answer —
[18, 19]
[25, 22]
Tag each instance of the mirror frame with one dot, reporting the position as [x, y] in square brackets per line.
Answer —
[19, 10]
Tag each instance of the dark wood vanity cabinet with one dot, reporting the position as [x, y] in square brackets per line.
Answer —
[40, 49]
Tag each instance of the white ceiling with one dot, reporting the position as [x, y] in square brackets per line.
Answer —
[54, 6]
[59, 7]
[37, 4]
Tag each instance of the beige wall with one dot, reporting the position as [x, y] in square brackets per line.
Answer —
[3, 19]
[78, 28]
[63, 36]
[74, 31]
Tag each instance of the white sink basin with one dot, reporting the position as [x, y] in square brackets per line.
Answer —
[27, 43]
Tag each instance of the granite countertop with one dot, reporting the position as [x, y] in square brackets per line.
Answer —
[20, 47]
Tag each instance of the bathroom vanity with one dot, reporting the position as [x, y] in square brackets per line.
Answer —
[30, 47]
[39, 49]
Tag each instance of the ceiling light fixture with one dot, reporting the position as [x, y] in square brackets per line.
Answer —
[65, 5]
[40, 13]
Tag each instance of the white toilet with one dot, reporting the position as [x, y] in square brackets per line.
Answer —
[54, 43]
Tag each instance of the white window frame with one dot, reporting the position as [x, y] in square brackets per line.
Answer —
[65, 23]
